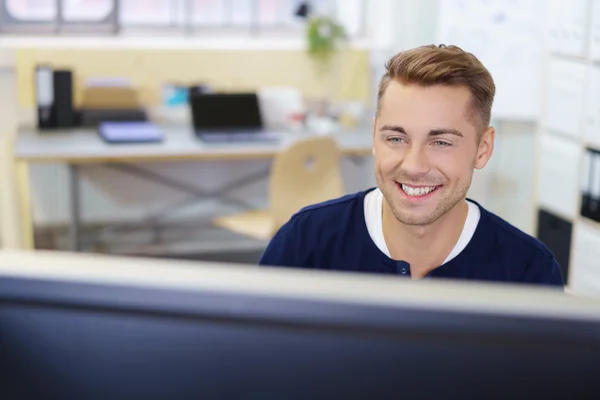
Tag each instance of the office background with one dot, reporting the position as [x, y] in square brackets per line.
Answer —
[542, 55]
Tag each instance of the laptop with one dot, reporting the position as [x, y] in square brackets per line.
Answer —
[229, 117]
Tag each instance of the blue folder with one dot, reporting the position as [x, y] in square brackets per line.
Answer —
[130, 132]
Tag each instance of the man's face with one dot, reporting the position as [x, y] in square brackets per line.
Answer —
[425, 150]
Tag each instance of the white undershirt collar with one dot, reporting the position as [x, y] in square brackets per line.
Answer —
[373, 217]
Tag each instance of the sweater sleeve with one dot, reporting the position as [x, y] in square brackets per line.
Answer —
[546, 271]
[282, 250]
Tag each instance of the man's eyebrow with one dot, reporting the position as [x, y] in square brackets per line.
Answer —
[395, 128]
[433, 132]
[445, 131]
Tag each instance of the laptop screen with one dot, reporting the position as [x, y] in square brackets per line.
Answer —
[216, 111]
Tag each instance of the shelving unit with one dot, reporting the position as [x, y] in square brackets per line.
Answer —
[569, 124]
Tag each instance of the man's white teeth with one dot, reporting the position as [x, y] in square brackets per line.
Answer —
[417, 191]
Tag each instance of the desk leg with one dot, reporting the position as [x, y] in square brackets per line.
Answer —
[24, 199]
[75, 222]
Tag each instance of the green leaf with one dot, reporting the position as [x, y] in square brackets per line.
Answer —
[324, 36]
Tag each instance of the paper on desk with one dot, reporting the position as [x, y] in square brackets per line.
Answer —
[575, 18]
[506, 36]
[565, 25]
[113, 81]
[558, 169]
[584, 269]
[592, 111]
[594, 33]
[591, 120]
[565, 96]
[278, 104]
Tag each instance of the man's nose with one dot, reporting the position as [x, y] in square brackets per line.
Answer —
[415, 161]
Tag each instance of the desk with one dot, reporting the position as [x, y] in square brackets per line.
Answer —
[84, 147]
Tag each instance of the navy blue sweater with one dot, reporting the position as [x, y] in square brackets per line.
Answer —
[333, 236]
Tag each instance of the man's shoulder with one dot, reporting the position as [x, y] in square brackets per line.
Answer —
[307, 238]
[525, 258]
[331, 209]
[508, 235]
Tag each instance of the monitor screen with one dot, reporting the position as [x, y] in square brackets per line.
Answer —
[214, 111]
[81, 337]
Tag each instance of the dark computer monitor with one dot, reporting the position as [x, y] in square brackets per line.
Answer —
[225, 111]
[82, 327]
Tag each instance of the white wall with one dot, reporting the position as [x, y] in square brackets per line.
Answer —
[393, 26]
[505, 185]
[400, 25]
[9, 210]
[112, 196]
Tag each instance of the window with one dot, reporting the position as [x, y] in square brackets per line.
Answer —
[274, 13]
[183, 16]
[150, 12]
[86, 10]
[47, 10]
[207, 13]
[241, 13]
[212, 12]
[32, 10]
[53, 16]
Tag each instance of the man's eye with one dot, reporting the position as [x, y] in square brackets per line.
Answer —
[395, 139]
[440, 143]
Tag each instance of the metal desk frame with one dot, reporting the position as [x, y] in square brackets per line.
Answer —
[79, 148]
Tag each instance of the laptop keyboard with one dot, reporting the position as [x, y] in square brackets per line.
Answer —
[242, 136]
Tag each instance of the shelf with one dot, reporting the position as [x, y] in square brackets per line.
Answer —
[561, 134]
[589, 222]
[559, 214]
[592, 146]
[571, 66]
[569, 57]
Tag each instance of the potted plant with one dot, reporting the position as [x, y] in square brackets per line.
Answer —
[324, 36]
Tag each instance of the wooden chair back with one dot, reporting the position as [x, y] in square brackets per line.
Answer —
[307, 172]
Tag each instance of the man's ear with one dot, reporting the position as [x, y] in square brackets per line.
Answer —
[485, 148]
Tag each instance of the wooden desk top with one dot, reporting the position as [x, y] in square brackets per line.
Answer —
[84, 146]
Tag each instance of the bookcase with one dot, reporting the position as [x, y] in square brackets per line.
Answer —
[567, 184]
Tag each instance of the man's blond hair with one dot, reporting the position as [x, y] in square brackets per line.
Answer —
[448, 66]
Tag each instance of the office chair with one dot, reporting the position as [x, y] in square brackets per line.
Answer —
[305, 173]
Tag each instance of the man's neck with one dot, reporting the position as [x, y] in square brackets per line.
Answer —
[423, 247]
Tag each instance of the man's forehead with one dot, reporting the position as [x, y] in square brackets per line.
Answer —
[435, 105]
[397, 91]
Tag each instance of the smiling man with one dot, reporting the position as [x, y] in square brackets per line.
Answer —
[430, 132]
